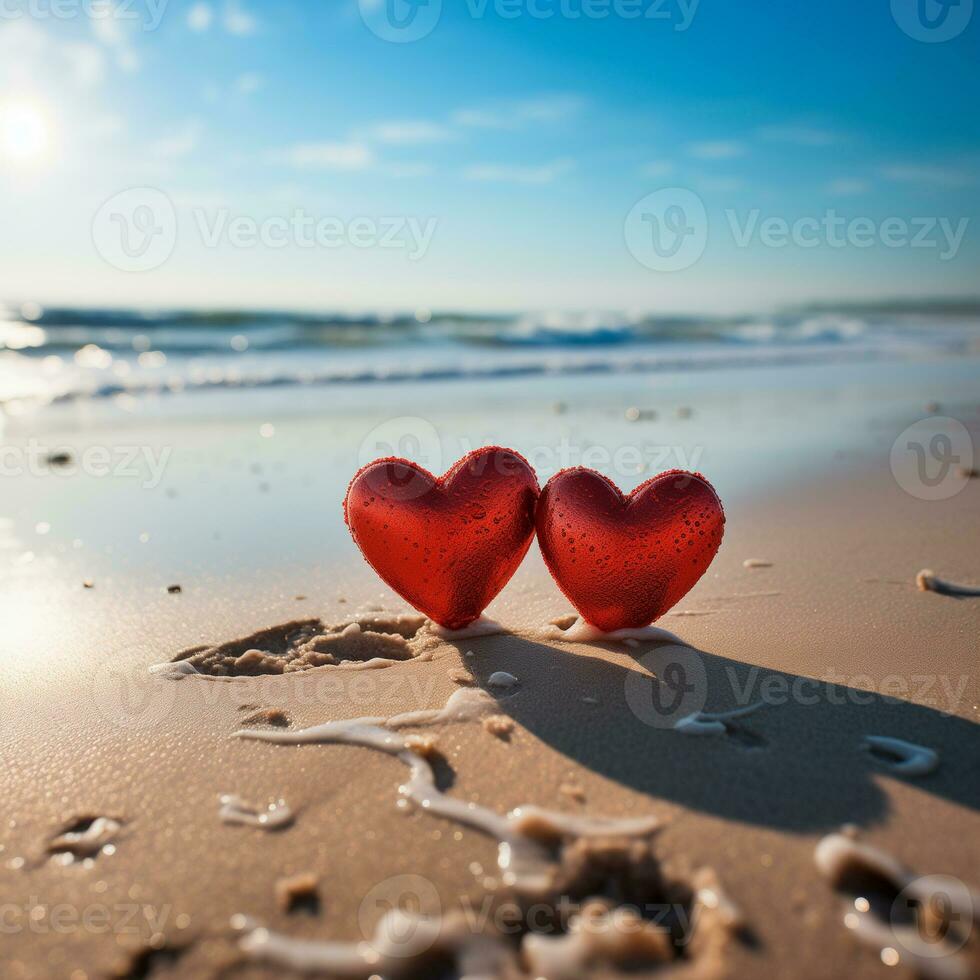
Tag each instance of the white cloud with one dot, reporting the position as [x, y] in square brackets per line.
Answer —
[513, 115]
[107, 125]
[248, 83]
[408, 131]
[408, 170]
[328, 156]
[108, 28]
[801, 135]
[128, 60]
[178, 143]
[720, 184]
[87, 62]
[846, 186]
[657, 168]
[511, 174]
[716, 149]
[29, 55]
[936, 175]
[197, 198]
[199, 17]
[237, 20]
[113, 30]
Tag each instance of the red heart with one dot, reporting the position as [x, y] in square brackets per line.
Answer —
[445, 545]
[624, 561]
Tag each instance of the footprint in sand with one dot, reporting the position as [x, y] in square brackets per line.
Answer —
[597, 938]
[901, 757]
[84, 839]
[555, 862]
[372, 641]
[574, 629]
[923, 922]
[722, 723]
[299, 893]
[234, 810]
[500, 680]
[275, 717]
[929, 581]
[145, 960]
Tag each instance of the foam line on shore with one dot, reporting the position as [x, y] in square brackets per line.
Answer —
[928, 581]
[901, 757]
[523, 835]
[582, 632]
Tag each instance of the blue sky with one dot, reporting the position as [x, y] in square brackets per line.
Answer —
[523, 141]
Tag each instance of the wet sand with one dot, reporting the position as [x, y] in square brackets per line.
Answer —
[832, 633]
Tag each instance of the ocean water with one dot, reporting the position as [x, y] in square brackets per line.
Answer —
[52, 356]
[215, 451]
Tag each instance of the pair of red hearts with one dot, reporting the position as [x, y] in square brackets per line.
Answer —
[448, 545]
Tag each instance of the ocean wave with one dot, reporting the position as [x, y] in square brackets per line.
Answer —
[51, 356]
[64, 329]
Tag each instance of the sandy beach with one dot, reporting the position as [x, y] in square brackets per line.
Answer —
[120, 858]
[489, 490]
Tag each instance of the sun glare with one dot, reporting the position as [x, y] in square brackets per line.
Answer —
[24, 132]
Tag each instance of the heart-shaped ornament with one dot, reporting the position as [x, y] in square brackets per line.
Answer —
[447, 544]
[623, 561]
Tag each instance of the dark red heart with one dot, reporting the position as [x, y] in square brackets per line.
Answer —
[624, 561]
[445, 545]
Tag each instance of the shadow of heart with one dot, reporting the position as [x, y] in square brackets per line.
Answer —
[799, 763]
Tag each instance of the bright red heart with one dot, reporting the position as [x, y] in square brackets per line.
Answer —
[445, 545]
[624, 561]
